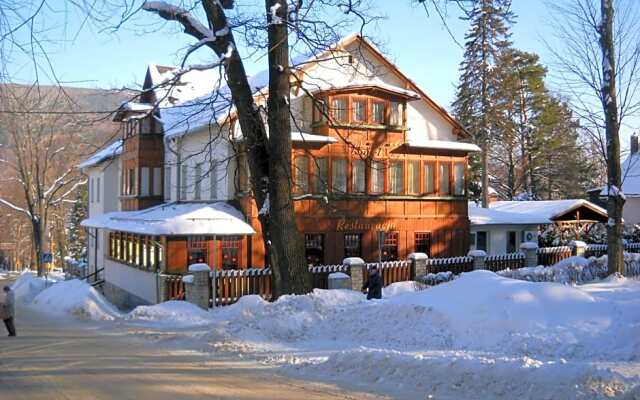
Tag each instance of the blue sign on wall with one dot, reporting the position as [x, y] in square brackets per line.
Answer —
[47, 257]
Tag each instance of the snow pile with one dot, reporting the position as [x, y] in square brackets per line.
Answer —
[76, 298]
[173, 313]
[28, 286]
[480, 335]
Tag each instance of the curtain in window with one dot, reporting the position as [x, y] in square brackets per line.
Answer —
[357, 176]
[377, 176]
[397, 176]
[339, 175]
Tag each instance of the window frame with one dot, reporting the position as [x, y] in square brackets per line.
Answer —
[374, 102]
[346, 110]
[298, 174]
[440, 180]
[393, 164]
[373, 171]
[349, 251]
[308, 240]
[454, 191]
[422, 235]
[434, 173]
[352, 117]
[353, 180]
[344, 174]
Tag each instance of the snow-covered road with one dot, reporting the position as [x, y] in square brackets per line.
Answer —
[61, 358]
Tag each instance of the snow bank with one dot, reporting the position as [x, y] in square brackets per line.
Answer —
[28, 286]
[75, 298]
[174, 313]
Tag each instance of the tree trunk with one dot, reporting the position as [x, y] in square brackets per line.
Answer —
[38, 239]
[615, 199]
[287, 247]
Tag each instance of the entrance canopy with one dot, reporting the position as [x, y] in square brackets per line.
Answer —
[173, 219]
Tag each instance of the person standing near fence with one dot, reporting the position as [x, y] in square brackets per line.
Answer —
[373, 284]
[8, 311]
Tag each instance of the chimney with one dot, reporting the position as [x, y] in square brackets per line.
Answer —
[634, 143]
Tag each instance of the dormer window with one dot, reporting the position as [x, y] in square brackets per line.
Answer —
[339, 109]
[358, 111]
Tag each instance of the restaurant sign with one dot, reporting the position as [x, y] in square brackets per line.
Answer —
[345, 225]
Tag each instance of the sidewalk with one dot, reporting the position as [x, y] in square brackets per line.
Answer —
[54, 359]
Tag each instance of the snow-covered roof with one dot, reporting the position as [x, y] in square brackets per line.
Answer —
[111, 151]
[630, 177]
[321, 85]
[442, 145]
[527, 212]
[173, 85]
[172, 219]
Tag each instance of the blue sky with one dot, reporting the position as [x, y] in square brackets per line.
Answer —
[417, 43]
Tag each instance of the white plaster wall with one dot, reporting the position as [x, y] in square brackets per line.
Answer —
[631, 211]
[498, 236]
[107, 172]
[203, 147]
[139, 283]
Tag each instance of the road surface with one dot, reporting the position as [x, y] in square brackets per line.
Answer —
[61, 359]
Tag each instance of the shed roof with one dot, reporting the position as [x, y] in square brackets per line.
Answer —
[535, 212]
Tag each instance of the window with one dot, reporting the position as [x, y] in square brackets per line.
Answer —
[319, 110]
[197, 249]
[444, 179]
[302, 174]
[481, 241]
[413, 181]
[395, 118]
[358, 110]
[429, 185]
[377, 109]
[339, 175]
[157, 181]
[91, 190]
[230, 252]
[133, 181]
[458, 179]
[357, 176]
[512, 241]
[377, 176]
[321, 176]
[198, 182]
[98, 190]
[397, 176]
[183, 182]
[314, 248]
[144, 181]
[352, 245]
[213, 184]
[423, 243]
[339, 109]
[167, 183]
[390, 247]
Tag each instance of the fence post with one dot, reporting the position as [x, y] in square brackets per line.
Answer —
[578, 248]
[478, 258]
[197, 291]
[530, 250]
[418, 265]
[214, 286]
[357, 266]
[164, 290]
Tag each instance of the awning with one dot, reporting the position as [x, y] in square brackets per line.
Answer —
[173, 219]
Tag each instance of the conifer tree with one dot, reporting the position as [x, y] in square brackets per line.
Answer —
[486, 42]
[76, 238]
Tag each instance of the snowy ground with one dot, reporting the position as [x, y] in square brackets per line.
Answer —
[479, 336]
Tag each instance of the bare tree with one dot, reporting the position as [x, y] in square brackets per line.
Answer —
[599, 65]
[36, 149]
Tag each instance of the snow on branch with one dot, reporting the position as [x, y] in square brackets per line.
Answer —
[71, 190]
[59, 182]
[14, 207]
[174, 13]
[275, 19]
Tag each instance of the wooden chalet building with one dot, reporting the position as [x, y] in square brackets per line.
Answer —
[372, 154]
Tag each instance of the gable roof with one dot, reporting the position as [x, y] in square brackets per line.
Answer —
[630, 177]
[111, 151]
[536, 212]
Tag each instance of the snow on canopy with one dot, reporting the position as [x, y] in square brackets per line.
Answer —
[109, 152]
[443, 145]
[534, 212]
[217, 218]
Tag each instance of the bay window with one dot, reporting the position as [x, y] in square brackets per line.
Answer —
[377, 176]
[377, 115]
[358, 110]
[443, 178]
[395, 117]
[429, 178]
[458, 179]
[339, 109]
[413, 179]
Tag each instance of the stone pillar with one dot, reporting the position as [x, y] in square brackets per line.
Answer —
[357, 266]
[418, 265]
[339, 280]
[478, 258]
[530, 250]
[578, 248]
[197, 285]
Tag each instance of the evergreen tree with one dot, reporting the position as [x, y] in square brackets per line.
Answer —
[77, 239]
[486, 42]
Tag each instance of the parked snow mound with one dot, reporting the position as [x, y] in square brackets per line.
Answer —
[75, 298]
[174, 313]
[399, 288]
[27, 287]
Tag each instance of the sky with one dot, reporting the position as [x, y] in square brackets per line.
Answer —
[416, 42]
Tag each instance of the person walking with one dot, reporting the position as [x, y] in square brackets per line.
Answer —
[9, 310]
[373, 284]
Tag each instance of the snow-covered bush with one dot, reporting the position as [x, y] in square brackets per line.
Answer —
[432, 279]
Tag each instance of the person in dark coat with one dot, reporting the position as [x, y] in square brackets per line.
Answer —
[373, 284]
[8, 308]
